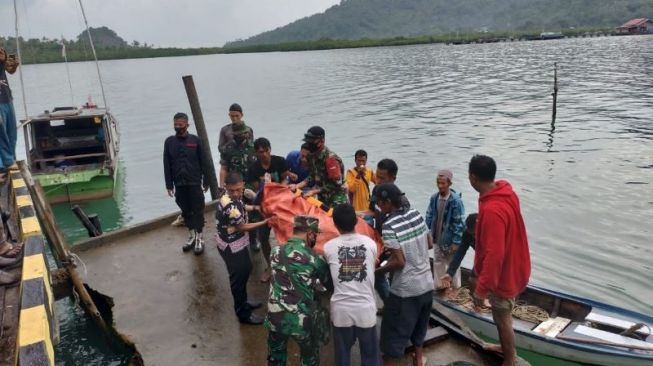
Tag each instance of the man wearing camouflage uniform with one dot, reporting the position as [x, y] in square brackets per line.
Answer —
[326, 170]
[295, 271]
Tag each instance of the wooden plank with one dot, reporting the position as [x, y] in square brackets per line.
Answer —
[613, 339]
[615, 322]
[552, 326]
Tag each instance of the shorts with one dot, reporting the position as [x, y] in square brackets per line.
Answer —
[404, 319]
[501, 305]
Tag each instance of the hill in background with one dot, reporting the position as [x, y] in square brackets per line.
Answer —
[356, 19]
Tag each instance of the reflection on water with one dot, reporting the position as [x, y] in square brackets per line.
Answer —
[428, 107]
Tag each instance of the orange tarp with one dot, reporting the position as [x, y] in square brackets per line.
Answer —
[279, 201]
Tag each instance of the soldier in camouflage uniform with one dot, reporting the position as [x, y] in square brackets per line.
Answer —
[326, 170]
[238, 154]
[295, 270]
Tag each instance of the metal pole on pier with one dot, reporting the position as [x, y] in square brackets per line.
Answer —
[195, 109]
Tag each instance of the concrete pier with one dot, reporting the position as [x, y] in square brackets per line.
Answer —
[177, 307]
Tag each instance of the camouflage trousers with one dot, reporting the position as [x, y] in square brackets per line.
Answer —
[335, 198]
[278, 349]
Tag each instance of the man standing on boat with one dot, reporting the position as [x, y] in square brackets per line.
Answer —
[326, 170]
[444, 217]
[226, 133]
[8, 64]
[185, 174]
[502, 264]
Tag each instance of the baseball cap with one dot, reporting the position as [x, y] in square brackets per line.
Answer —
[313, 133]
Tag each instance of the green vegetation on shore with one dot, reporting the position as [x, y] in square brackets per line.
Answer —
[50, 51]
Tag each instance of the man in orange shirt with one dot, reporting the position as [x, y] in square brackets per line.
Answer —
[358, 181]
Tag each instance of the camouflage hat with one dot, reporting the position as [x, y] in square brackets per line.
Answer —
[306, 223]
[239, 128]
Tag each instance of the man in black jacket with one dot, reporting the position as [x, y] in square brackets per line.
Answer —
[185, 172]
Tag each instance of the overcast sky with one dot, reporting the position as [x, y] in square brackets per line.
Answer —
[179, 23]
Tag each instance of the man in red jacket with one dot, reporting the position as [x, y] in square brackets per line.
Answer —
[502, 263]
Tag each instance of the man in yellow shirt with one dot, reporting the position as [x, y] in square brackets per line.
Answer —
[358, 180]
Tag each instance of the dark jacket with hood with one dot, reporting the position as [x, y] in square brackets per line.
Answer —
[502, 262]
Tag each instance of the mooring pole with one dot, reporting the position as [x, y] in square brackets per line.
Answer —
[196, 110]
[555, 92]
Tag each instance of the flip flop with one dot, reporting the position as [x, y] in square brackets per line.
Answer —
[15, 251]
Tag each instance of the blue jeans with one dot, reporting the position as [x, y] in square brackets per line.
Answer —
[7, 135]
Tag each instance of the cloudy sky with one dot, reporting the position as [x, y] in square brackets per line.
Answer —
[189, 23]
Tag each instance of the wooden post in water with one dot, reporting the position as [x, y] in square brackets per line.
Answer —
[195, 109]
[60, 248]
[555, 93]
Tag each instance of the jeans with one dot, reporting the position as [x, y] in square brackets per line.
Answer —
[8, 134]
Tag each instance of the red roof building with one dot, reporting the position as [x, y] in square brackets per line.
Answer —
[636, 26]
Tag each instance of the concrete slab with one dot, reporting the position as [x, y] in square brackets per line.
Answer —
[178, 310]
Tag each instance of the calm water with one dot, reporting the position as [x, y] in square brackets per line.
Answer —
[585, 184]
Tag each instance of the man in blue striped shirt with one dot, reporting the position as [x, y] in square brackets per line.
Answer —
[407, 309]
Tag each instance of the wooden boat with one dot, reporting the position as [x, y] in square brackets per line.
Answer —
[578, 329]
[72, 152]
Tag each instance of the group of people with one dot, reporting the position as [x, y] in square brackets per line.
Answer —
[400, 275]
[9, 252]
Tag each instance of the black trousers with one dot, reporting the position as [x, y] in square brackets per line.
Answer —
[190, 200]
[239, 266]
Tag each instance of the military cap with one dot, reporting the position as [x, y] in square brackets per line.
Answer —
[306, 223]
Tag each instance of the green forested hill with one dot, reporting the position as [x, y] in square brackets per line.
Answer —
[355, 19]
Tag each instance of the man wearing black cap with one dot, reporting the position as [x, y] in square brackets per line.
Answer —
[185, 172]
[408, 307]
[326, 170]
[226, 135]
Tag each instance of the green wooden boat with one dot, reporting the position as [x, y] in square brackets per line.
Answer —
[72, 152]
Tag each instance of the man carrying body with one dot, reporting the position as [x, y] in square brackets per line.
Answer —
[184, 168]
[226, 133]
[444, 217]
[237, 156]
[408, 307]
[326, 171]
[297, 161]
[502, 264]
[8, 133]
[232, 240]
[358, 180]
[295, 270]
[352, 261]
[267, 168]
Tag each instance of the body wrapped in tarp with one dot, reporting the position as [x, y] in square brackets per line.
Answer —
[279, 201]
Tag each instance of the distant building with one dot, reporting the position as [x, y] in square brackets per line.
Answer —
[636, 26]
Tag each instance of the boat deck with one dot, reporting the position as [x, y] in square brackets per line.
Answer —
[177, 308]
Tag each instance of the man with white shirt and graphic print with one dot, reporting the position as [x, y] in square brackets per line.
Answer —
[352, 260]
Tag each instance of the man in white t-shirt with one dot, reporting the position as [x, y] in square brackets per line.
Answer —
[352, 261]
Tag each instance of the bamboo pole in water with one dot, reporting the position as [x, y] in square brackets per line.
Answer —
[60, 247]
[196, 110]
[555, 93]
